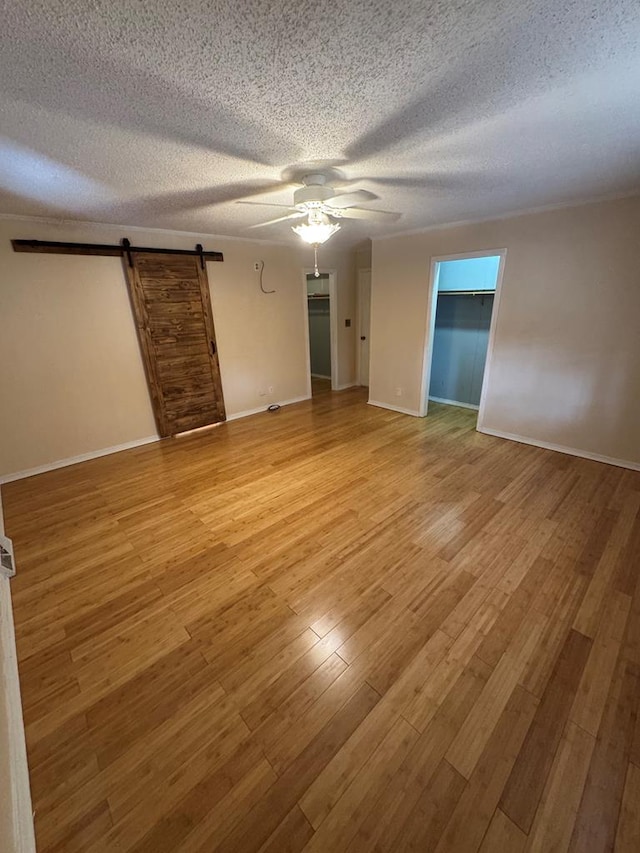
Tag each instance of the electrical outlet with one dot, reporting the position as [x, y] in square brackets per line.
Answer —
[256, 266]
[271, 389]
[398, 391]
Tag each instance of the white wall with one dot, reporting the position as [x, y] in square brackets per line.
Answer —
[70, 366]
[16, 822]
[566, 362]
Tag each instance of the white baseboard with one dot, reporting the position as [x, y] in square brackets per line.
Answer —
[319, 376]
[394, 408]
[73, 460]
[559, 448]
[345, 386]
[105, 451]
[248, 412]
[16, 814]
[455, 403]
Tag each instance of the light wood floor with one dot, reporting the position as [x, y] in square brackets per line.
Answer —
[320, 386]
[331, 628]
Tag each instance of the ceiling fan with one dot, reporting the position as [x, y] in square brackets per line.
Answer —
[321, 205]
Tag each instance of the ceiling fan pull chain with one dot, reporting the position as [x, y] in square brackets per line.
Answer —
[315, 257]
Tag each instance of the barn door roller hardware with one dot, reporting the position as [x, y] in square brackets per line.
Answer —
[126, 245]
[123, 248]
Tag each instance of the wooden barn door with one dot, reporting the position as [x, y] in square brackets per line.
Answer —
[172, 308]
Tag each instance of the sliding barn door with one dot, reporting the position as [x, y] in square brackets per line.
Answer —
[172, 308]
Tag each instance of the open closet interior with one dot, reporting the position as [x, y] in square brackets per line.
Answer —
[319, 308]
[465, 296]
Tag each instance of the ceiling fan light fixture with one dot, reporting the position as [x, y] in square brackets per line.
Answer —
[317, 230]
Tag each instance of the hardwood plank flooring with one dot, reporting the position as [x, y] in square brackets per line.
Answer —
[331, 628]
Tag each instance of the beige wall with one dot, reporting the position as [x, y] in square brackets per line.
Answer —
[70, 368]
[363, 255]
[566, 362]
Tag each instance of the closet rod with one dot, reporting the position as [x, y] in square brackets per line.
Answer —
[466, 293]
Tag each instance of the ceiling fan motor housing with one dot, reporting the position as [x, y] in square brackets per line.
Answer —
[318, 201]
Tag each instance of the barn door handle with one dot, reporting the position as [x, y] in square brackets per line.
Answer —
[213, 347]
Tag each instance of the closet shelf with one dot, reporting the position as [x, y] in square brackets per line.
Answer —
[317, 296]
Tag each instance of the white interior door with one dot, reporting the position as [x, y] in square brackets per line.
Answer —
[364, 322]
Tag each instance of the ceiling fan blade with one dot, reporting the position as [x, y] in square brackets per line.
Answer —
[296, 215]
[363, 213]
[348, 199]
[267, 204]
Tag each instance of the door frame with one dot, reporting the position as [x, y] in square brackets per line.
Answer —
[333, 324]
[431, 324]
[359, 325]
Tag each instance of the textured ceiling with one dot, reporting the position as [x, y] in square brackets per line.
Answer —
[162, 113]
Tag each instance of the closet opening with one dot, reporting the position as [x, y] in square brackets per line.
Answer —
[464, 296]
[321, 332]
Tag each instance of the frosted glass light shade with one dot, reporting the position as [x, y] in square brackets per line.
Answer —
[317, 230]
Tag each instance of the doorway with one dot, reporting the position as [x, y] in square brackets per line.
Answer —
[463, 308]
[321, 331]
[364, 324]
